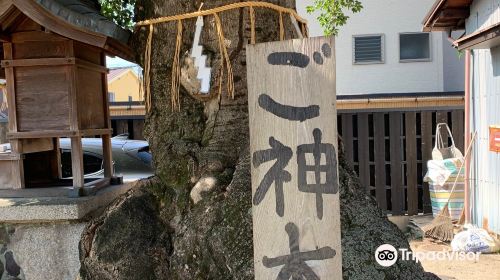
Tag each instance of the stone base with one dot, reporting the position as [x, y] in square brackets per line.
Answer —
[39, 237]
[43, 251]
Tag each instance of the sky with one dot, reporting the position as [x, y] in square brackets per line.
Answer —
[116, 62]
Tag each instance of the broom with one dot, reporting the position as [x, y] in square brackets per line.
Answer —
[441, 228]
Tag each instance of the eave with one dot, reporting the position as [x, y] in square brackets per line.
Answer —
[482, 39]
[446, 15]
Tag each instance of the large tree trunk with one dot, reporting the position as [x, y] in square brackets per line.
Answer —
[204, 139]
[157, 231]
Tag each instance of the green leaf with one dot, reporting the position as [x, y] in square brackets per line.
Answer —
[121, 12]
[332, 13]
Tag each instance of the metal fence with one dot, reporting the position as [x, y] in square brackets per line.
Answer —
[389, 151]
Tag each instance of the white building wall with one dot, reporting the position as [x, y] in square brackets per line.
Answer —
[391, 17]
[453, 65]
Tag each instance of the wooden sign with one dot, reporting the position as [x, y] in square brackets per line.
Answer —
[293, 141]
[495, 138]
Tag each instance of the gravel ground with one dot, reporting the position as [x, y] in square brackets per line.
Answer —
[487, 267]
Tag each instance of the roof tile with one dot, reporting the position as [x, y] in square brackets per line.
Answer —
[114, 73]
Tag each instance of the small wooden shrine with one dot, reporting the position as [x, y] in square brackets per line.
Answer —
[54, 63]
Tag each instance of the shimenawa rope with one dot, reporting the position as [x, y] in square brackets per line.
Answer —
[225, 61]
[147, 69]
[223, 9]
[176, 69]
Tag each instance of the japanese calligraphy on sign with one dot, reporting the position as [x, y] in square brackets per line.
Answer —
[293, 141]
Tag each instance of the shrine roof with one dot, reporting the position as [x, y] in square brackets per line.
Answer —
[85, 14]
[79, 20]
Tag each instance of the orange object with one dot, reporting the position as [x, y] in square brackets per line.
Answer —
[495, 139]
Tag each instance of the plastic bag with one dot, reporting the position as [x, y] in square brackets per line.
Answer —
[439, 171]
[475, 240]
[441, 151]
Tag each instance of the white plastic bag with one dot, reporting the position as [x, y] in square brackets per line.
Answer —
[437, 172]
[475, 240]
[442, 151]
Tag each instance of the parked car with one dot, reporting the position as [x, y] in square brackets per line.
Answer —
[131, 158]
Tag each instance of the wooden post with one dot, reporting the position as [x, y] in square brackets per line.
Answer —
[107, 156]
[458, 128]
[426, 121]
[347, 137]
[397, 192]
[18, 180]
[106, 139]
[56, 155]
[76, 142]
[364, 151]
[411, 163]
[77, 162]
[293, 140]
[16, 145]
[11, 89]
[380, 170]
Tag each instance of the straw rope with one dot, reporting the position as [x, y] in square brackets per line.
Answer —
[224, 57]
[176, 69]
[228, 7]
[147, 69]
[252, 25]
[225, 61]
[282, 28]
[141, 88]
[305, 32]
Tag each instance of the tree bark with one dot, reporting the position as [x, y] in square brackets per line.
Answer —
[204, 139]
[203, 151]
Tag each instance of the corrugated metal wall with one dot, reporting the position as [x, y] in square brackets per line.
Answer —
[485, 111]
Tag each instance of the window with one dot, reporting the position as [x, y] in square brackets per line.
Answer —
[112, 97]
[368, 49]
[414, 47]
